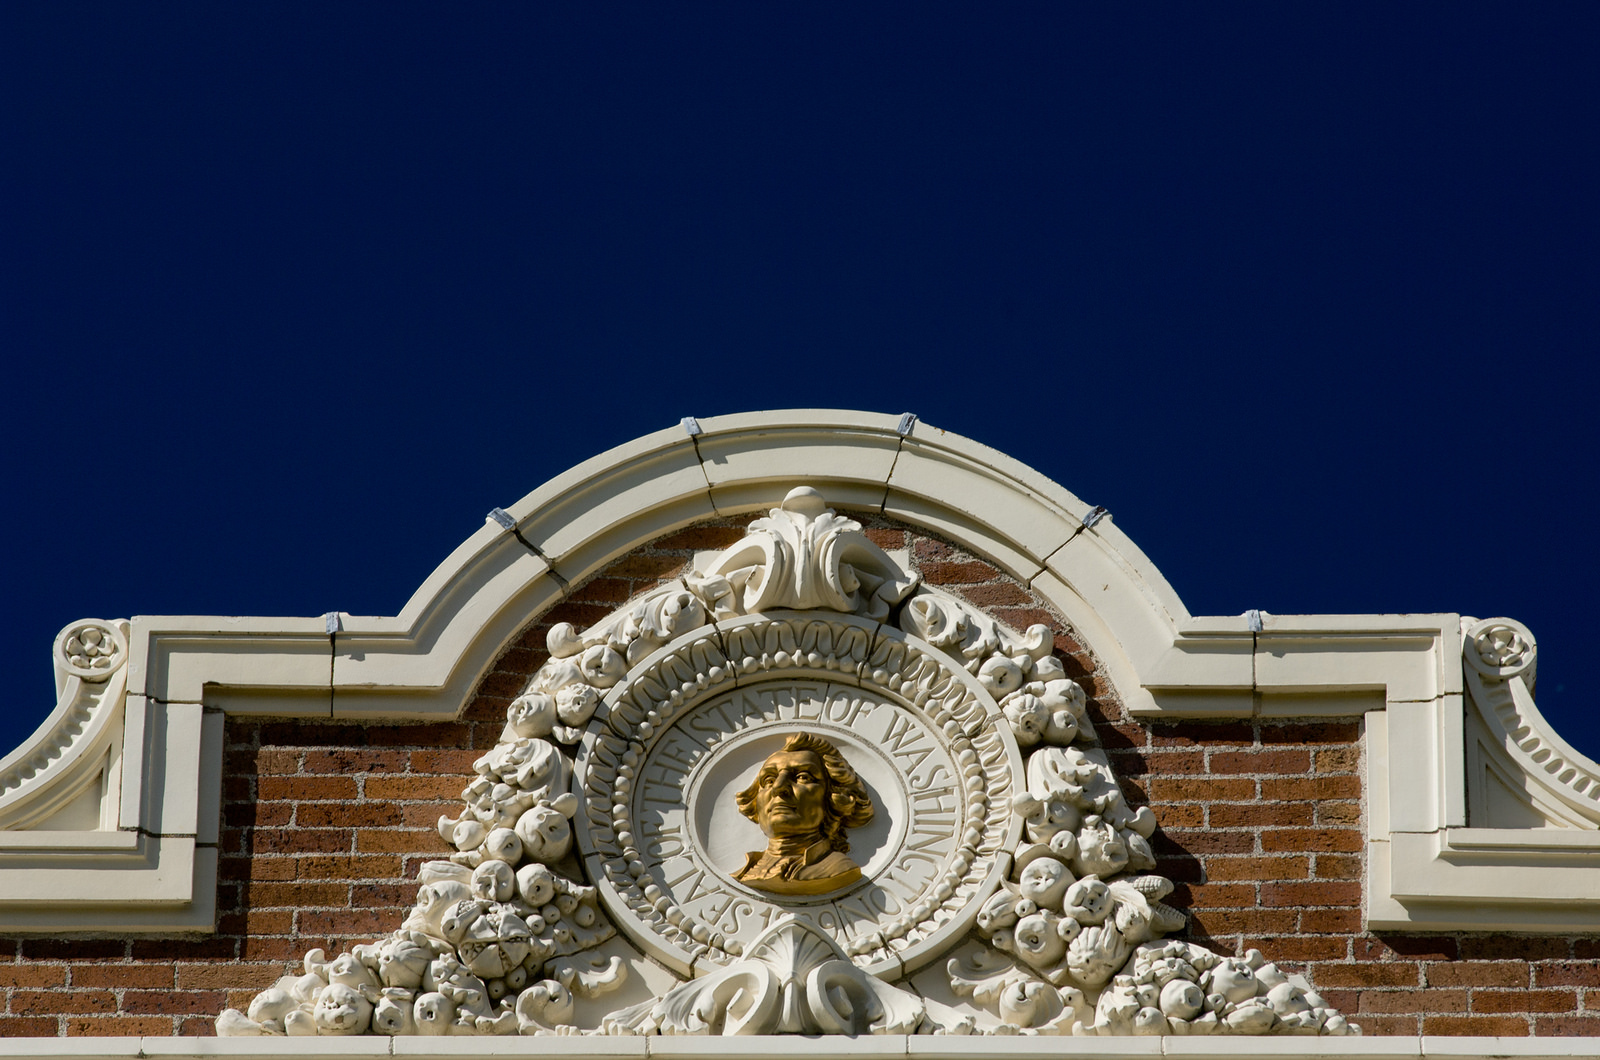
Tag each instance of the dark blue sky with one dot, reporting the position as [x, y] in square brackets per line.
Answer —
[1304, 293]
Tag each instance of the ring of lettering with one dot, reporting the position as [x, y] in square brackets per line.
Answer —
[924, 749]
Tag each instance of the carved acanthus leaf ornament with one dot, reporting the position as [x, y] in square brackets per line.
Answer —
[590, 835]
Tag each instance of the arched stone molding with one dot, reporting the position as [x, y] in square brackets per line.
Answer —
[1426, 866]
[423, 662]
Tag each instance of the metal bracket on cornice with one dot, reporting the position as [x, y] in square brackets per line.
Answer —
[691, 426]
[1095, 515]
[1252, 618]
[503, 519]
[331, 623]
[907, 421]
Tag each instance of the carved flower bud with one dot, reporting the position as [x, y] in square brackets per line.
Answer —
[300, 1024]
[1000, 676]
[273, 1003]
[1061, 728]
[537, 885]
[1233, 979]
[1045, 880]
[575, 704]
[1087, 901]
[546, 835]
[433, 1013]
[493, 881]
[401, 963]
[1181, 999]
[1065, 701]
[1101, 851]
[1028, 717]
[1048, 668]
[1044, 818]
[341, 1010]
[602, 666]
[1287, 999]
[1037, 940]
[1064, 845]
[467, 835]
[998, 912]
[393, 1014]
[1254, 1017]
[503, 844]
[532, 716]
[563, 640]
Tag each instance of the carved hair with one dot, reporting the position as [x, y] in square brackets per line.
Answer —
[846, 804]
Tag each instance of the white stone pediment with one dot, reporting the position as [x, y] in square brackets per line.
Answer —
[925, 787]
[123, 808]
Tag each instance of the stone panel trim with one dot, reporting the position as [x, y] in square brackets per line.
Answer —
[920, 1047]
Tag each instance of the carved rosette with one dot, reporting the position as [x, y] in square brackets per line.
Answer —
[91, 650]
[1500, 648]
[608, 803]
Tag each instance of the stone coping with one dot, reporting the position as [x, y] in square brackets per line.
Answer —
[926, 1047]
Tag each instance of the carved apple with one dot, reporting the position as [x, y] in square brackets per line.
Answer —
[545, 833]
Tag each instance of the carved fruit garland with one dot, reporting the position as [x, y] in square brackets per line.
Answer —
[498, 941]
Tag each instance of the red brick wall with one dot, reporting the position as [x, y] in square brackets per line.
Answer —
[325, 827]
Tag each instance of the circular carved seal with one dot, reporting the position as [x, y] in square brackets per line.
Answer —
[91, 649]
[1500, 648]
[825, 767]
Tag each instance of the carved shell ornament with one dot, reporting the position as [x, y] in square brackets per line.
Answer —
[795, 792]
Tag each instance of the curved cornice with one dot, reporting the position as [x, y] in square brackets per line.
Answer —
[67, 752]
[1555, 780]
[425, 661]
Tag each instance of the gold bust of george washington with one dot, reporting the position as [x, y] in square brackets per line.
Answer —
[804, 797]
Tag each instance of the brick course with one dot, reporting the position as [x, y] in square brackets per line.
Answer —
[325, 827]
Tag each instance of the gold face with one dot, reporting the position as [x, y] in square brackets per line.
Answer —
[790, 790]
